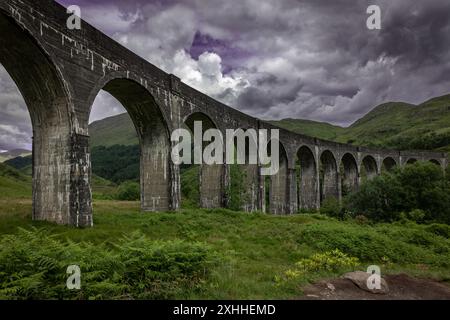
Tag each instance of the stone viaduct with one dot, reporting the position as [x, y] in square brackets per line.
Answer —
[60, 72]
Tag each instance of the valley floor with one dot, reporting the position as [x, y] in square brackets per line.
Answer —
[256, 249]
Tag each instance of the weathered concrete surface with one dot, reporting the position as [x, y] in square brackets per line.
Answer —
[308, 177]
[211, 186]
[250, 192]
[60, 72]
[279, 187]
[350, 174]
[330, 176]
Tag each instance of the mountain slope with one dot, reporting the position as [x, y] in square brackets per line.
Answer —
[13, 154]
[404, 126]
[113, 130]
[383, 121]
[393, 125]
[320, 130]
[14, 183]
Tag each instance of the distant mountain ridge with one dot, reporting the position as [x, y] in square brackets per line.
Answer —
[396, 125]
[10, 154]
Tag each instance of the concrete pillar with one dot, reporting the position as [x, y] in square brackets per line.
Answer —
[292, 192]
[350, 175]
[279, 192]
[226, 186]
[330, 182]
[308, 190]
[308, 180]
[339, 185]
[211, 186]
[61, 163]
[330, 185]
[262, 199]
[155, 173]
[61, 177]
[318, 186]
[175, 187]
[251, 187]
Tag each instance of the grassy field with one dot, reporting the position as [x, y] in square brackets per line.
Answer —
[255, 249]
[254, 254]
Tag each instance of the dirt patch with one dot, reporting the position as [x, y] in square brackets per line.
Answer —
[401, 287]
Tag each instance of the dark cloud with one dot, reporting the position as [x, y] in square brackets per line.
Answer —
[312, 59]
[15, 123]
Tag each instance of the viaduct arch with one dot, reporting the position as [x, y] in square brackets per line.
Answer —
[60, 72]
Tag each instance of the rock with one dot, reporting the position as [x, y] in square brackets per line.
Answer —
[360, 279]
[331, 286]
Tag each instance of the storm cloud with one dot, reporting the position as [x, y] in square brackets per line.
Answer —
[310, 59]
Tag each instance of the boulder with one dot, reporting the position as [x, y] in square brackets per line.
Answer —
[360, 279]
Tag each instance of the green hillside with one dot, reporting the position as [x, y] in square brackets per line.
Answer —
[403, 126]
[14, 183]
[316, 129]
[395, 125]
[113, 130]
[383, 121]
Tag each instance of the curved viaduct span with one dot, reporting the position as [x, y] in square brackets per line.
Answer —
[60, 72]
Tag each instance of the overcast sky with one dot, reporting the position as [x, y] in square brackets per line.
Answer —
[310, 59]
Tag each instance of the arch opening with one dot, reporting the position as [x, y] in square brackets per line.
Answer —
[369, 168]
[152, 133]
[307, 179]
[436, 162]
[411, 161]
[328, 176]
[388, 164]
[349, 174]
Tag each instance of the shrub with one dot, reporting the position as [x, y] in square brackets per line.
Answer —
[373, 243]
[328, 261]
[421, 186]
[331, 207]
[416, 215]
[190, 186]
[442, 230]
[129, 191]
[378, 199]
[33, 266]
[361, 219]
